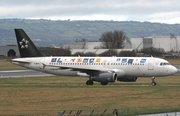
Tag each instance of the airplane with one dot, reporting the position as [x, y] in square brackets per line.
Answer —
[99, 69]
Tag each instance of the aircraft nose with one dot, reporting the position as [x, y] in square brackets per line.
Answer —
[174, 70]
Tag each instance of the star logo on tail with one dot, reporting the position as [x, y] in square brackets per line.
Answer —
[24, 43]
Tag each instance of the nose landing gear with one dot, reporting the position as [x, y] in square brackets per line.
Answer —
[153, 81]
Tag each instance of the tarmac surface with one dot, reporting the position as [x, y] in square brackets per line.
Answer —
[21, 73]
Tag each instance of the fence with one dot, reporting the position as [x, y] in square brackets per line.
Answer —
[107, 112]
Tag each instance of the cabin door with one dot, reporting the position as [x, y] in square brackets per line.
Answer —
[151, 64]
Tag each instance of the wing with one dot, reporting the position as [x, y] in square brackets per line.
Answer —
[89, 71]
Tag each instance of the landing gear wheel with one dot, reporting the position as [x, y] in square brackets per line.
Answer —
[104, 83]
[89, 82]
[153, 81]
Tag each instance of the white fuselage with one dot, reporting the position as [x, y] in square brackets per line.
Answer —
[123, 66]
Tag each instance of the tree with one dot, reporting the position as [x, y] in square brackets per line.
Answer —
[55, 51]
[153, 51]
[127, 53]
[84, 54]
[113, 40]
[110, 52]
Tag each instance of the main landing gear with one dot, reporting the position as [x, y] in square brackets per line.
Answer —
[153, 81]
[89, 82]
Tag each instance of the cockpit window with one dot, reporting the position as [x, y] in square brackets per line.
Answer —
[164, 63]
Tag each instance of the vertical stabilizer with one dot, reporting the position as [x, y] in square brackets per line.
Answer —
[25, 45]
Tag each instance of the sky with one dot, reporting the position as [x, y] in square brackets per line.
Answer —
[161, 11]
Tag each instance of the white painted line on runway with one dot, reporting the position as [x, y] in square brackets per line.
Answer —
[15, 70]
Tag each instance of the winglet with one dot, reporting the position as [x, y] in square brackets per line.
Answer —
[25, 45]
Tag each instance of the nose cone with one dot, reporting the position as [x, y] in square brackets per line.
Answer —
[174, 70]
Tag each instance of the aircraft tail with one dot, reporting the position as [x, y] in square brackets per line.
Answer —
[25, 45]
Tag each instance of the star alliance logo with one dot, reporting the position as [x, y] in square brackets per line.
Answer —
[24, 43]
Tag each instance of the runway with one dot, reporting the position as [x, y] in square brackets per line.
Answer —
[33, 73]
[21, 73]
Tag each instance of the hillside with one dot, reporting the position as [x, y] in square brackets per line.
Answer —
[48, 32]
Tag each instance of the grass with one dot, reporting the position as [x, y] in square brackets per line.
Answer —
[48, 95]
[7, 65]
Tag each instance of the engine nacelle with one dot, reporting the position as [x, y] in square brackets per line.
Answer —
[127, 79]
[105, 77]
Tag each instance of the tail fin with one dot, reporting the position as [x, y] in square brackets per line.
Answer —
[25, 45]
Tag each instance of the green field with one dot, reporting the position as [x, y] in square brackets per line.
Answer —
[7, 65]
[49, 95]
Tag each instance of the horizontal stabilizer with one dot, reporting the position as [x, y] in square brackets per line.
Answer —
[15, 61]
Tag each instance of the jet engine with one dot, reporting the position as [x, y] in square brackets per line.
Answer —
[105, 77]
[127, 79]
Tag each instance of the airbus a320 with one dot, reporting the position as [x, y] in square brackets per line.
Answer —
[99, 69]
